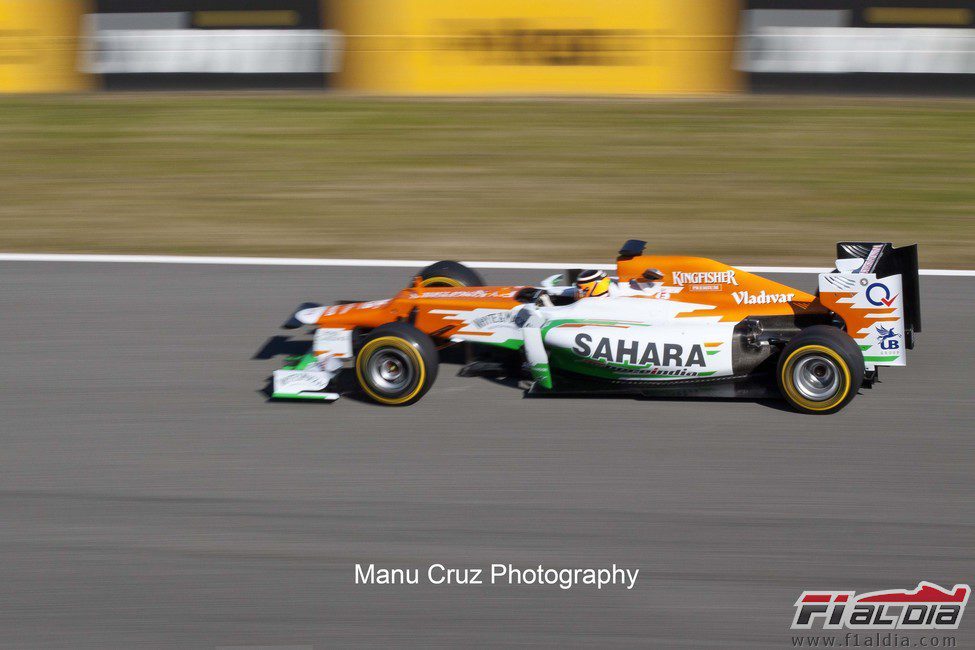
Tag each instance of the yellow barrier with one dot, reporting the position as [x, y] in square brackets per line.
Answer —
[536, 46]
[39, 46]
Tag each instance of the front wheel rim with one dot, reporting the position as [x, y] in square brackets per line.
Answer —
[390, 371]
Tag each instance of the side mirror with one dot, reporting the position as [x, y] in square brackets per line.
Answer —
[653, 275]
[552, 281]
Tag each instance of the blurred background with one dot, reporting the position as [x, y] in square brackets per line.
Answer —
[151, 497]
[759, 131]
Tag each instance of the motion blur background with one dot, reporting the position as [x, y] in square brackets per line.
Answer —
[757, 130]
[151, 497]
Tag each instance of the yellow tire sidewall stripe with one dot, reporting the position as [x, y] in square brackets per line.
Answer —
[400, 344]
[794, 394]
[441, 281]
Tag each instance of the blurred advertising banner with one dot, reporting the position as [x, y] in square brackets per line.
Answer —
[208, 44]
[859, 45]
[39, 46]
[543, 46]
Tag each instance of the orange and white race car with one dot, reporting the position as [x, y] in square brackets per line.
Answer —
[662, 325]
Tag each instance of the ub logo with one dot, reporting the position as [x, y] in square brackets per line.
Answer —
[888, 338]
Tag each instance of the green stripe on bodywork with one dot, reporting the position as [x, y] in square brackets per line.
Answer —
[583, 321]
[711, 353]
[311, 396]
[879, 359]
[542, 374]
[511, 344]
[299, 363]
[865, 347]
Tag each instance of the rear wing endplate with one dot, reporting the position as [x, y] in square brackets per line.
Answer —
[883, 260]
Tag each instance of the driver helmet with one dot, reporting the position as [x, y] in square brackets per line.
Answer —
[592, 283]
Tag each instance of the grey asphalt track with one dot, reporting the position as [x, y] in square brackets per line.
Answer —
[151, 497]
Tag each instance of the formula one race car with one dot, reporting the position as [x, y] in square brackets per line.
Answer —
[679, 326]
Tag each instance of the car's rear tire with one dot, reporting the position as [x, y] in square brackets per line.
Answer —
[820, 370]
[450, 274]
[396, 364]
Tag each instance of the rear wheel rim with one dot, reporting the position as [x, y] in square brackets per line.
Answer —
[816, 377]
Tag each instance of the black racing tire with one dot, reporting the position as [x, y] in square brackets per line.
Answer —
[396, 364]
[820, 370]
[450, 274]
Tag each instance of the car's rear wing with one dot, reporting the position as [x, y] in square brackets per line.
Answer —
[884, 260]
[875, 290]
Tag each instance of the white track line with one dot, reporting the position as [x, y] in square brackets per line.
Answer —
[299, 261]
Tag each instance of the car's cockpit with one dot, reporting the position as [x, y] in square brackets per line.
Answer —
[561, 289]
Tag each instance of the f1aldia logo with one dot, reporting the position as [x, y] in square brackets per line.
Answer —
[928, 607]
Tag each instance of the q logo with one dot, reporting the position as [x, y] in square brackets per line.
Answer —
[879, 290]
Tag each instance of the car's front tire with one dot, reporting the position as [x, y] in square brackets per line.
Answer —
[396, 364]
[820, 370]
